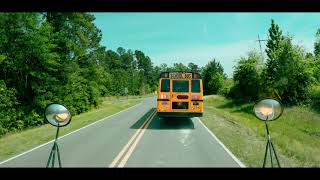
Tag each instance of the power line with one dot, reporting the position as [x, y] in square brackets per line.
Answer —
[259, 40]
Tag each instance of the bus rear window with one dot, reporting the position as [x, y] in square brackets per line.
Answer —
[165, 85]
[195, 86]
[180, 86]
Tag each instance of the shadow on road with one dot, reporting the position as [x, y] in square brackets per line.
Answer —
[164, 123]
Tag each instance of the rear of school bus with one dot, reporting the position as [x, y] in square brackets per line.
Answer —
[180, 94]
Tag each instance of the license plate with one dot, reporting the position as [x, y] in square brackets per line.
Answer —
[164, 103]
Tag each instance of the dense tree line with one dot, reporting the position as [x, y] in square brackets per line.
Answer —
[58, 57]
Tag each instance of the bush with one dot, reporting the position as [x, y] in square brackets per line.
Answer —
[227, 86]
[7, 112]
[246, 78]
[30, 120]
[213, 77]
[315, 67]
[315, 97]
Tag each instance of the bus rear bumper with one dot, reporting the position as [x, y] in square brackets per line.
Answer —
[180, 114]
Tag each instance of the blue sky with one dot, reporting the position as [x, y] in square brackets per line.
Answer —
[200, 37]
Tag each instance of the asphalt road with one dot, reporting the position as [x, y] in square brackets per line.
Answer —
[135, 137]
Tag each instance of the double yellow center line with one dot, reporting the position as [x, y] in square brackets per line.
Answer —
[127, 150]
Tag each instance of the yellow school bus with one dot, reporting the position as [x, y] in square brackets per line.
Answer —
[180, 94]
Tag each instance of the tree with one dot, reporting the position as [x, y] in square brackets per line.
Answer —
[120, 81]
[317, 44]
[315, 67]
[144, 62]
[112, 60]
[144, 66]
[246, 78]
[179, 67]
[164, 67]
[285, 75]
[57, 57]
[8, 121]
[30, 65]
[52, 57]
[126, 58]
[193, 67]
[156, 75]
[213, 77]
[274, 41]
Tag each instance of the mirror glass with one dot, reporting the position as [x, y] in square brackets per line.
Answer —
[268, 109]
[57, 115]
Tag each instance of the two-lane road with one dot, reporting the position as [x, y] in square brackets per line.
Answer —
[135, 137]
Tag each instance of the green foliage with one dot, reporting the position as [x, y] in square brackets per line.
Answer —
[30, 120]
[180, 67]
[57, 57]
[317, 44]
[76, 94]
[7, 110]
[164, 67]
[314, 65]
[193, 67]
[246, 78]
[286, 74]
[315, 97]
[274, 41]
[213, 77]
[227, 87]
[2, 58]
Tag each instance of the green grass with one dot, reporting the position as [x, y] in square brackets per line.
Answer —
[296, 134]
[16, 143]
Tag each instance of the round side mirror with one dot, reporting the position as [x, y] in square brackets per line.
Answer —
[57, 115]
[268, 109]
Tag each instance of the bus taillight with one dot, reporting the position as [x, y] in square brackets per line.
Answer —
[195, 97]
[164, 97]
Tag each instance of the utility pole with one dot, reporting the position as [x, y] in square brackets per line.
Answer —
[261, 48]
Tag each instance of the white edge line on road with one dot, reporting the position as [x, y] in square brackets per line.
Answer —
[223, 146]
[68, 134]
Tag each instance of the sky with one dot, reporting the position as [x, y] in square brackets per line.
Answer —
[200, 37]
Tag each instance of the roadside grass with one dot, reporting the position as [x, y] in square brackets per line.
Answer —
[19, 142]
[295, 135]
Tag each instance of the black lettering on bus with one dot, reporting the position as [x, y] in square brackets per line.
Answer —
[188, 76]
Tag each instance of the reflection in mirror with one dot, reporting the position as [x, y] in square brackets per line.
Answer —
[267, 109]
[57, 115]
